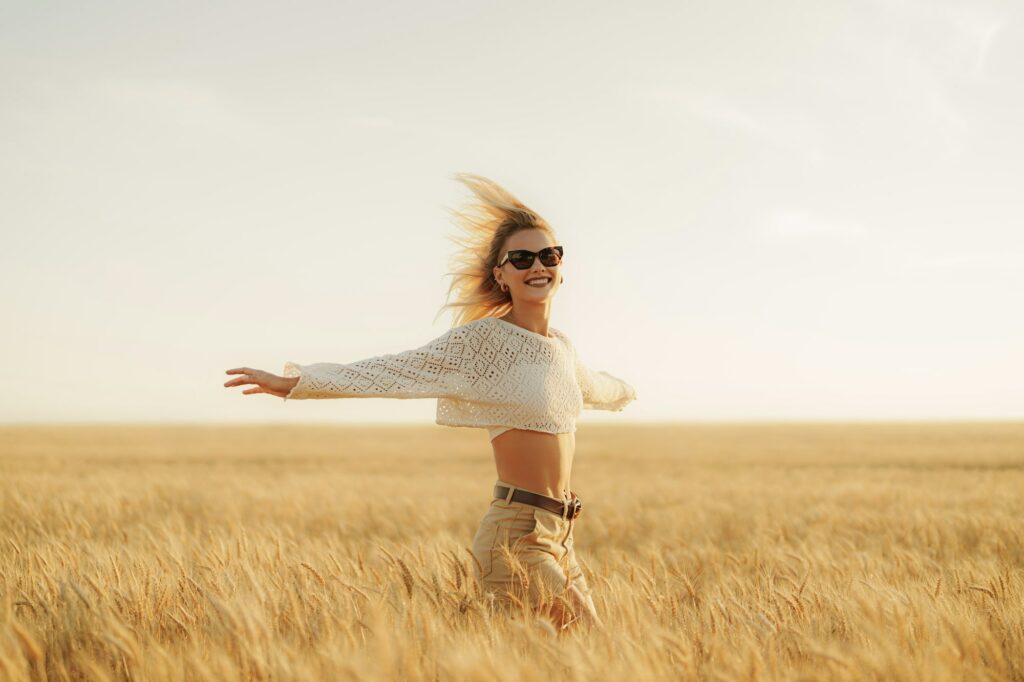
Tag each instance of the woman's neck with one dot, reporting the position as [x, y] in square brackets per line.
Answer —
[534, 322]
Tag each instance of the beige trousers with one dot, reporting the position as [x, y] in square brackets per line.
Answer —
[525, 553]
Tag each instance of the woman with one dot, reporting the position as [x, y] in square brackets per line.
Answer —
[503, 368]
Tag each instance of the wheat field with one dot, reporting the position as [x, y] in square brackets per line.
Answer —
[858, 551]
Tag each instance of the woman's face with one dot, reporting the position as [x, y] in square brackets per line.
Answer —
[516, 280]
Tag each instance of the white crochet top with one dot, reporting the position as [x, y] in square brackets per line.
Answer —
[488, 373]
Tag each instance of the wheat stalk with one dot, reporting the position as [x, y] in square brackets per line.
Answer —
[987, 591]
[406, 576]
[320, 578]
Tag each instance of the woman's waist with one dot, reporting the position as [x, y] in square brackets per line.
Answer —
[508, 495]
[542, 467]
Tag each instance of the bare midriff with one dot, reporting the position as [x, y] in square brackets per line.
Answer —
[537, 461]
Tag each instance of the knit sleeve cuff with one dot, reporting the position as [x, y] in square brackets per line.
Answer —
[292, 369]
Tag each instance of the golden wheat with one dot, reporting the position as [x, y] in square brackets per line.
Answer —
[756, 551]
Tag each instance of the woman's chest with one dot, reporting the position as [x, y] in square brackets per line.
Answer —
[546, 384]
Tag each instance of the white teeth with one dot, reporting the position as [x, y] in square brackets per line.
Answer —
[543, 280]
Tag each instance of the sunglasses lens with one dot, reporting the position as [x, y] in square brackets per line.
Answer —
[520, 260]
[550, 257]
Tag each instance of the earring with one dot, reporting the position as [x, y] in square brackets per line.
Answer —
[561, 280]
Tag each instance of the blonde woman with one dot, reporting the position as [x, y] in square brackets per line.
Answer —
[502, 367]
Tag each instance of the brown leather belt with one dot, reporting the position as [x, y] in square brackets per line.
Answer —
[543, 501]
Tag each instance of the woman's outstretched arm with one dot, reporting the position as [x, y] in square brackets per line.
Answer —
[439, 369]
[601, 390]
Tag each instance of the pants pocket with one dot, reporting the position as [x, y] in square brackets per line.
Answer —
[500, 526]
[548, 533]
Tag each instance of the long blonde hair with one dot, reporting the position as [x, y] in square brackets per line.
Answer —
[487, 222]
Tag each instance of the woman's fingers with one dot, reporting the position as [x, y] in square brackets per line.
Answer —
[264, 381]
[239, 380]
[249, 376]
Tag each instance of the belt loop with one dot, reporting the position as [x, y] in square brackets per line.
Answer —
[565, 507]
[508, 496]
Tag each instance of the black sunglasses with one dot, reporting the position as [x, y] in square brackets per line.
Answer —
[521, 259]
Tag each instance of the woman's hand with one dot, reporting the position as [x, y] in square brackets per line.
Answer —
[265, 382]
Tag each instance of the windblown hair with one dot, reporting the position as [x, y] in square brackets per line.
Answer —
[487, 222]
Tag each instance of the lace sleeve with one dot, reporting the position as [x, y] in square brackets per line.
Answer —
[601, 390]
[439, 369]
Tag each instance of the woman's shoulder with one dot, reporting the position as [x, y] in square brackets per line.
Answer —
[480, 327]
[492, 325]
[477, 324]
[558, 333]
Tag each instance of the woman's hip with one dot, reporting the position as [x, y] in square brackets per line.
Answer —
[513, 532]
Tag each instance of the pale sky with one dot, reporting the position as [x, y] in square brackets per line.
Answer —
[803, 210]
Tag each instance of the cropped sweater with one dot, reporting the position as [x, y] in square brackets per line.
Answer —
[488, 373]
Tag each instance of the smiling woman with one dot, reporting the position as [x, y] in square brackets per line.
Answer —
[502, 367]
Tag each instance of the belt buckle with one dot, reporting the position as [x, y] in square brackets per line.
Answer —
[577, 507]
